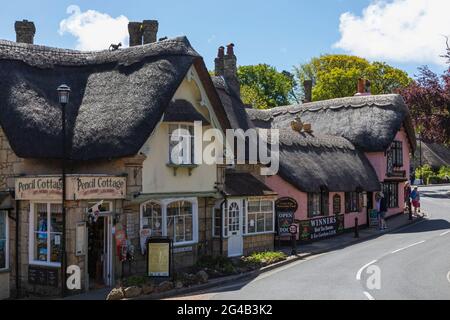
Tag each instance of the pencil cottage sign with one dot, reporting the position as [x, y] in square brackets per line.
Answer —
[78, 188]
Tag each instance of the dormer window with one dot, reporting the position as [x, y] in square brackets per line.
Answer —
[181, 144]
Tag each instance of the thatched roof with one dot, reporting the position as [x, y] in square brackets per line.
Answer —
[311, 162]
[117, 97]
[434, 154]
[244, 184]
[233, 105]
[183, 111]
[369, 122]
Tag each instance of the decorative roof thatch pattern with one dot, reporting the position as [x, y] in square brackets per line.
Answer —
[369, 122]
[117, 97]
[244, 184]
[233, 105]
[311, 162]
[434, 154]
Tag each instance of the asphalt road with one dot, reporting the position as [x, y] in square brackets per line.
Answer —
[410, 263]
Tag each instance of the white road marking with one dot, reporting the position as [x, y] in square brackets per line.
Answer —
[444, 233]
[358, 274]
[448, 276]
[411, 245]
[368, 295]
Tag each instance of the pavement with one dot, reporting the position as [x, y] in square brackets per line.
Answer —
[405, 263]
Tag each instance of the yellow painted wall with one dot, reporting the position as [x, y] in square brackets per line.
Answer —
[156, 176]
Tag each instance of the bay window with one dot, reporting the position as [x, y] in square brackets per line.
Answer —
[46, 233]
[176, 219]
[4, 241]
[260, 216]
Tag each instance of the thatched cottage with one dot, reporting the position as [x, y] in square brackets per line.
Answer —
[124, 106]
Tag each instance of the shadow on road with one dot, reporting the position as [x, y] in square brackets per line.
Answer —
[426, 226]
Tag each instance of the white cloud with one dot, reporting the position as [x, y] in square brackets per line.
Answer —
[398, 30]
[94, 30]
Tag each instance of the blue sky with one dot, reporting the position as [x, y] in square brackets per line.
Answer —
[282, 33]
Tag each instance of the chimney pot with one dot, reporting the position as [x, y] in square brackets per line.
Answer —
[221, 52]
[25, 31]
[363, 87]
[150, 30]
[230, 49]
[135, 32]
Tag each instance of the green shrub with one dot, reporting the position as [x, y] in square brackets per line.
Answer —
[434, 179]
[265, 258]
[424, 172]
[135, 281]
[444, 173]
[218, 263]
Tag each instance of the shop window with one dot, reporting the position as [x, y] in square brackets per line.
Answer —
[152, 218]
[180, 221]
[390, 190]
[216, 222]
[352, 202]
[259, 217]
[318, 204]
[46, 236]
[181, 144]
[4, 241]
[336, 204]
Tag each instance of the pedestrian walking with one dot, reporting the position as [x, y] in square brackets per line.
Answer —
[383, 211]
[415, 199]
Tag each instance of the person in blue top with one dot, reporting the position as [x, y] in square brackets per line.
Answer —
[415, 199]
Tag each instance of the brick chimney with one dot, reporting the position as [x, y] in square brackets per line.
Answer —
[219, 62]
[135, 32]
[307, 87]
[25, 31]
[150, 31]
[230, 70]
[363, 87]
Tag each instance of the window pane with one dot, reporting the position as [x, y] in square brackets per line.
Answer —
[56, 218]
[2, 254]
[2, 226]
[152, 218]
[260, 222]
[251, 223]
[269, 222]
[266, 206]
[55, 247]
[180, 221]
[40, 222]
[40, 246]
[253, 206]
[188, 225]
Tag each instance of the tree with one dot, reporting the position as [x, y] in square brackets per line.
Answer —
[264, 87]
[336, 76]
[428, 99]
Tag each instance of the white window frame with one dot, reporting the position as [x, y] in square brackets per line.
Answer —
[31, 240]
[190, 141]
[164, 204]
[141, 215]
[247, 202]
[5, 212]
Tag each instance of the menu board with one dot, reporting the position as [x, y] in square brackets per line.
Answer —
[159, 256]
[285, 209]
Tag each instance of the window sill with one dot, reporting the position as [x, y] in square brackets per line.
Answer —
[175, 167]
[45, 264]
[258, 233]
[184, 244]
[7, 270]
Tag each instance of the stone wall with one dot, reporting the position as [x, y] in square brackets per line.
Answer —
[4, 285]
[258, 243]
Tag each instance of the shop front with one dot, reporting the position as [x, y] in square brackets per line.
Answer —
[93, 208]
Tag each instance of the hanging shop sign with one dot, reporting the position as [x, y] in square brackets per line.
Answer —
[96, 187]
[285, 209]
[320, 228]
[77, 188]
[38, 188]
[159, 257]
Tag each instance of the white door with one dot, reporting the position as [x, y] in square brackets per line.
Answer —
[234, 216]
